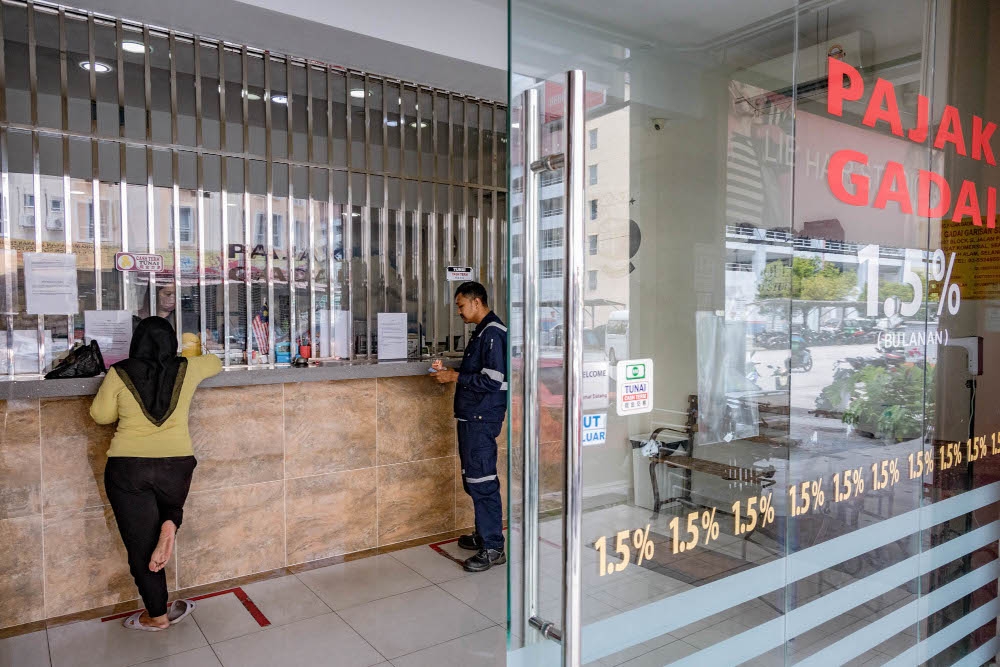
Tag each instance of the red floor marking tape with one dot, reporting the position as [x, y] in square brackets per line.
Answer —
[240, 594]
[437, 547]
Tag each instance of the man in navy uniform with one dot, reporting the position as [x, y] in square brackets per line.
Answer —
[480, 406]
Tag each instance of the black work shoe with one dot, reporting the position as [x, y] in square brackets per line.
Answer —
[471, 542]
[484, 560]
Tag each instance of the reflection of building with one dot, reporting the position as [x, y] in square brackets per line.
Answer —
[606, 215]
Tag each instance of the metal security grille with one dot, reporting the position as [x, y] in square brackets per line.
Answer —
[291, 200]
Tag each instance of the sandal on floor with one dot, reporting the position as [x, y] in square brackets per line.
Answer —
[180, 610]
[132, 623]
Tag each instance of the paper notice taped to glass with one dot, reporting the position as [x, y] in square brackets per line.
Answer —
[112, 329]
[50, 283]
[391, 336]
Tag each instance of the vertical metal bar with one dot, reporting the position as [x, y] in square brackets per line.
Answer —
[311, 262]
[433, 226]
[175, 189]
[293, 320]
[366, 231]
[384, 216]
[272, 314]
[494, 171]
[224, 194]
[10, 268]
[313, 325]
[575, 170]
[449, 233]
[200, 169]
[124, 278]
[150, 188]
[67, 184]
[418, 226]
[95, 165]
[530, 471]
[349, 220]
[247, 240]
[401, 240]
[330, 226]
[36, 176]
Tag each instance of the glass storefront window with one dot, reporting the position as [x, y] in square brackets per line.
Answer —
[787, 446]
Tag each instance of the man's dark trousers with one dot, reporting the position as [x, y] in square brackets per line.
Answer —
[477, 448]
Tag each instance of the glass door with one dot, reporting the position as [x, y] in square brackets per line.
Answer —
[750, 334]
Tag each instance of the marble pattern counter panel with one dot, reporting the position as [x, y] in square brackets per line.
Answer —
[74, 453]
[329, 427]
[20, 460]
[21, 571]
[237, 436]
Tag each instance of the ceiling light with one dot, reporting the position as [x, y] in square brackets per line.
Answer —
[77, 192]
[99, 68]
[279, 99]
[131, 46]
[392, 123]
[515, 126]
[357, 93]
[422, 124]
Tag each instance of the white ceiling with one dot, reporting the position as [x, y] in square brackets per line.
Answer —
[470, 30]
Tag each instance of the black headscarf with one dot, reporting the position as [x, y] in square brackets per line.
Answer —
[153, 372]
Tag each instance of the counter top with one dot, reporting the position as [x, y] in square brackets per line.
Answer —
[235, 377]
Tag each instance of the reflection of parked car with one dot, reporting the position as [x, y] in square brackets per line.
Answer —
[616, 337]
[801, 357]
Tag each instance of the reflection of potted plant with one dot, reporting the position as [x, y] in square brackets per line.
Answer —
[886, 402]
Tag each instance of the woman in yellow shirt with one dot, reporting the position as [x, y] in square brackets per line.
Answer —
[151, 460]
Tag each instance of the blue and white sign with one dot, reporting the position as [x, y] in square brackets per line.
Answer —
[595, 429]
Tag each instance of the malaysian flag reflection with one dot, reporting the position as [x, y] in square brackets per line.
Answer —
[260, 329]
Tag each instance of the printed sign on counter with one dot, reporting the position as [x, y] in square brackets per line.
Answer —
[595, 429]
[635, 386]
[50, 283]
[459, 273]
[134, 261]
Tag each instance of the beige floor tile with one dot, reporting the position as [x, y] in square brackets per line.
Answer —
[285, 600]
[224, 617]
[323, 640]
[483, 649]
[200, 657]
[357, 582]
[486, 592]
[30, 650]
[109, 644]
[414, 621]
[429, 564]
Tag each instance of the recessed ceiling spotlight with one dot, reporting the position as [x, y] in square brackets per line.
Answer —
[132, 46]
[99, 68]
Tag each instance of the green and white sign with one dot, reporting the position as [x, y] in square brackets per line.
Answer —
[635, 386]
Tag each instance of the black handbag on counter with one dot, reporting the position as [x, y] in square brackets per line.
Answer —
[83, 361]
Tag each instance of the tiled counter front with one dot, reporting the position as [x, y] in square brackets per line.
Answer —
[287, 473]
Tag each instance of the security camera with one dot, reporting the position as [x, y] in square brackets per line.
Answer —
[659, 123]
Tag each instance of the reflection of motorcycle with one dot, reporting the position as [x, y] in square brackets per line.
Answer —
[801, 357]
[780, 375]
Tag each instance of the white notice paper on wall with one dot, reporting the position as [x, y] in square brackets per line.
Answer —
[50, 283]
[391, 336]
[112, 329]
[26, 352]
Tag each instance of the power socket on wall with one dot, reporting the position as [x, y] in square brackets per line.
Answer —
[973, 346]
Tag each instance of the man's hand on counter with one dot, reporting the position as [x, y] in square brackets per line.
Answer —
[441, 374]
